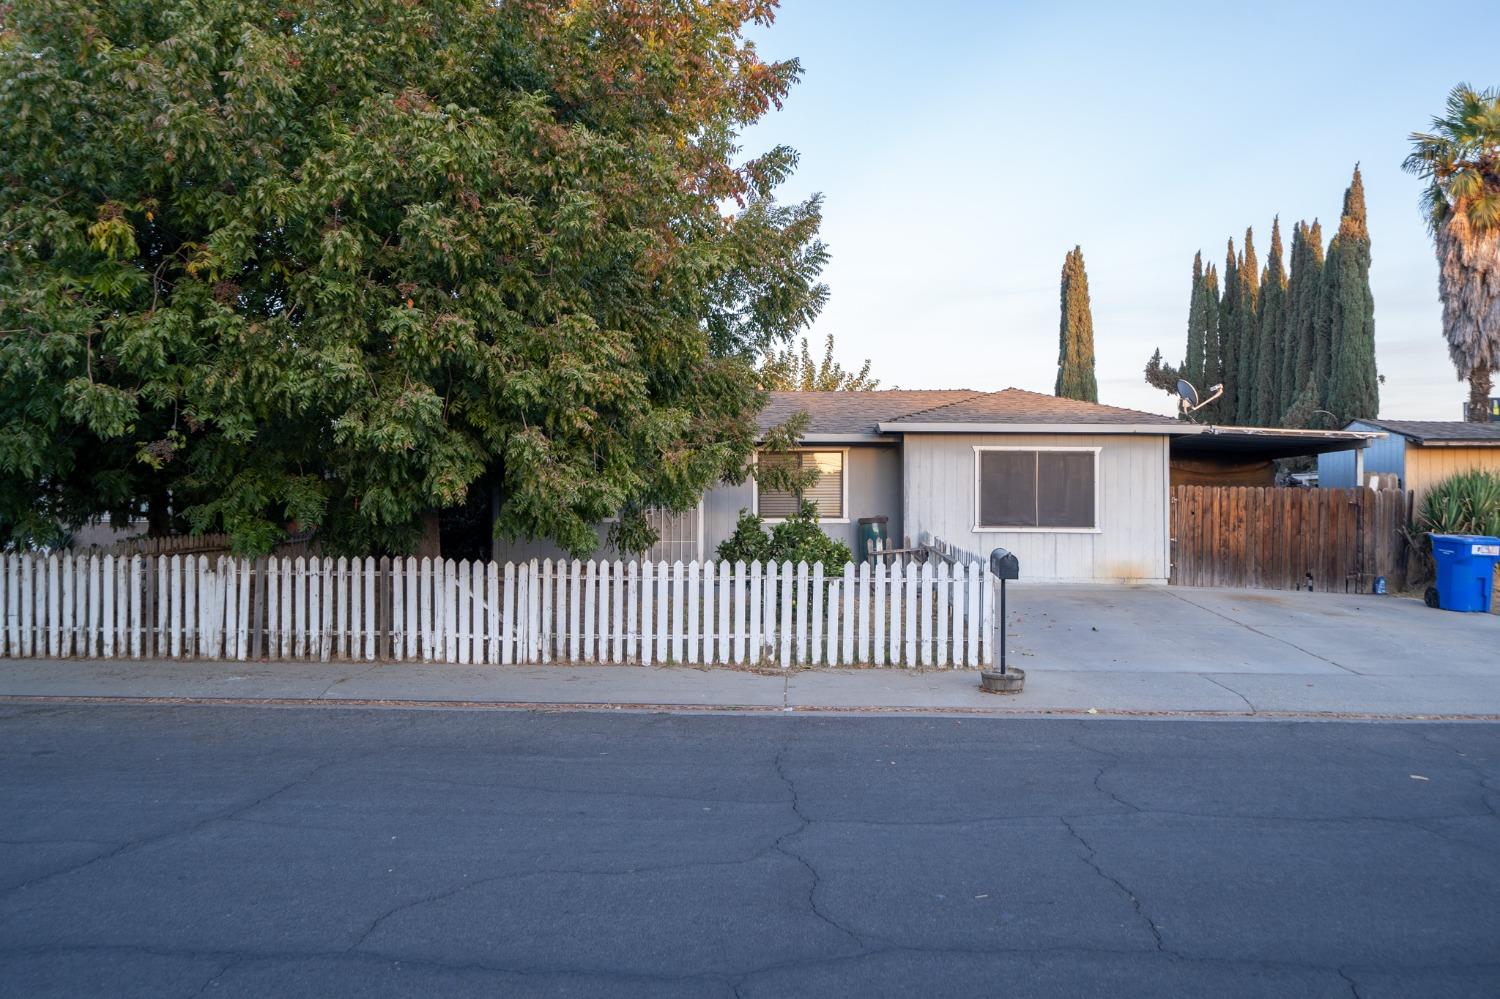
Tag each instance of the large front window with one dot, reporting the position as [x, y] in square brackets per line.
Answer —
[826, 494]
[1035, 489]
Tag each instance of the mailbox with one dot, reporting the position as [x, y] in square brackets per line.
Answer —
[1004, 564]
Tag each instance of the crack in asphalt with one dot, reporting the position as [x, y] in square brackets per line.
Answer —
[131, 846]
[803, 821]
[1092, 860]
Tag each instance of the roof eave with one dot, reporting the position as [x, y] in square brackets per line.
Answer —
[1119, 429]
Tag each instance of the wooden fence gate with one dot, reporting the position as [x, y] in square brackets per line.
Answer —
[1335, 540]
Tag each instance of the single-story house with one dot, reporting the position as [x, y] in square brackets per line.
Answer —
[1078, 491]
[1419, 453]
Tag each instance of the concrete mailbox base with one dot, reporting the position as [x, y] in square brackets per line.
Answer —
[1009, 682]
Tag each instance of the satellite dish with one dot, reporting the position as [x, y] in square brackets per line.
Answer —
[1190, 400]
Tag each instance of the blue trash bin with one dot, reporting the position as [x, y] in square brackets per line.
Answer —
[1465, 570]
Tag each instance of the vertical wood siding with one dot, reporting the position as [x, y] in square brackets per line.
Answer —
[1131, 544]
[1427, 466]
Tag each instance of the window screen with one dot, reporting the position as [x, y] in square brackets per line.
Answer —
[826, 494]
[1036, 489]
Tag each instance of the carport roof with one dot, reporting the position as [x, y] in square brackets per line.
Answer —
[1268, 442]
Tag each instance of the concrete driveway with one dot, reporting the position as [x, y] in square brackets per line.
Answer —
[1179, 629]
[1272, 650]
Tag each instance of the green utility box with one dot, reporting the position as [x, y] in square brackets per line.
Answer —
[874, 532]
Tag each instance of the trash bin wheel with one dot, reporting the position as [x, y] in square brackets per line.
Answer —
[1430, 598]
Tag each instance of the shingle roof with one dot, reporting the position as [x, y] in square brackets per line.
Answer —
[1447, 431]
[862, 412]
[854, 412]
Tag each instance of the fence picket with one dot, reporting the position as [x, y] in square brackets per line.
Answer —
[815, 612]
[647, 622]
[769, 613]
[784, 656]
[693, 609]
[590, 608]
[924, 616]
[679, 626]
[663, 601]
[618, 621]
[909, 603]
[832, 634]
[847, 594]
[724, 627]
[508, 615]
[755, 627]
[941, 620]
[894, 654]
[601, 646]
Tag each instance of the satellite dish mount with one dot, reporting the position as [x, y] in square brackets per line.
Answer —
[1188, 396]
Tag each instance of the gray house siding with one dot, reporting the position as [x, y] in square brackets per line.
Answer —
[1385, 454]
[874, 490]
[1130, 543]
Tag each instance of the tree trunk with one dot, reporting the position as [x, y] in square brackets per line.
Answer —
[1479, 395]
[431, 544]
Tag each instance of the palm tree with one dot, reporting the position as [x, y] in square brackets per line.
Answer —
[1460, 158]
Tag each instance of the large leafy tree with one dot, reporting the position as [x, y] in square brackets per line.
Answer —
[795, 370]
[265, 264]
[1075, 340]
[1460, 159]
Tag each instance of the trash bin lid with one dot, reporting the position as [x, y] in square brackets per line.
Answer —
[874, 520]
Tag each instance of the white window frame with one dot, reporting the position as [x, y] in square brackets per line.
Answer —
[843, 486]
[1035, 449]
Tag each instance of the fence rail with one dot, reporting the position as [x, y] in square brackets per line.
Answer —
[484, 612]
[1286, 538]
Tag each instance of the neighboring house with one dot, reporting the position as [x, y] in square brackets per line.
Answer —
[1078, 491]
[1420, 453]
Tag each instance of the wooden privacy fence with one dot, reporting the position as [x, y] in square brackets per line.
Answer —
[1287, 538]
[483, 612]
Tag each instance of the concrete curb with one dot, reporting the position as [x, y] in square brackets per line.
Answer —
[643, 708]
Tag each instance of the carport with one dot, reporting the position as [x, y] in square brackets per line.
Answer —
[1245, 456]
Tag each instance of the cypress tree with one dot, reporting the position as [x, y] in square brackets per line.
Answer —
[1246, 403]
[1289, 377]
[1213, 370]
[1348, 309]
[1075, 342]
[1192, 362]
[1229, 339]
[1271, 318]
[1311, 361]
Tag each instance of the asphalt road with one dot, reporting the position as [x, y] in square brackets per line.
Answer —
[179, 851]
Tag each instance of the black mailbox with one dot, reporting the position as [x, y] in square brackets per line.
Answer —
[1004, 565]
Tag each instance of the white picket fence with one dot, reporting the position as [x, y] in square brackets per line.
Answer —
[483, 612]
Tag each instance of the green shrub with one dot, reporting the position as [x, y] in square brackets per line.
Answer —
[796, 539]
[1467, 503]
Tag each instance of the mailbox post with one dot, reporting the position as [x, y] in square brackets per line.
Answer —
[1004, 566]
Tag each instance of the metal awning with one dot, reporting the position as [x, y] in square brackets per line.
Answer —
[1249, 443]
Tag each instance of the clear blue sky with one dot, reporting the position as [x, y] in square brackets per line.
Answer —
[964, 147]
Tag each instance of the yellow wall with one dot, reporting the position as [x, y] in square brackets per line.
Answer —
[1427, 466]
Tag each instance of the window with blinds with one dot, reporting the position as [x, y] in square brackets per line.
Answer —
[826, 494]
[1035, 490]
